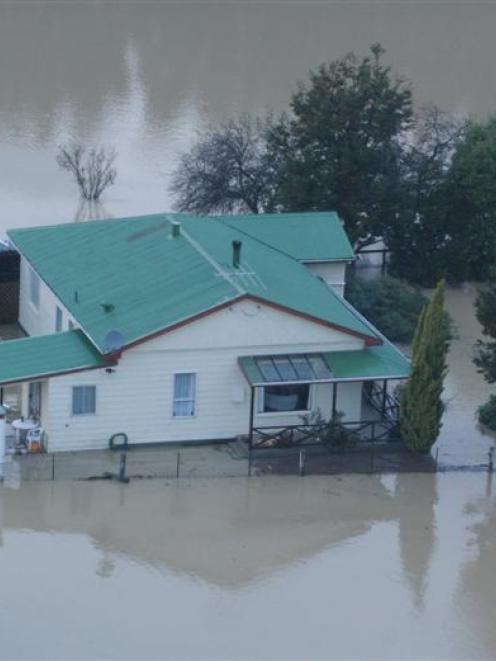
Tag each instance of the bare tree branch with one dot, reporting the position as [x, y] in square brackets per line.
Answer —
[228, 170]
[93, 170]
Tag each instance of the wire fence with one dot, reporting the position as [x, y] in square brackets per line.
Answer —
[226, 460]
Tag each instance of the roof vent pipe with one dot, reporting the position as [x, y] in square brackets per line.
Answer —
[236, 256]
[176, 229]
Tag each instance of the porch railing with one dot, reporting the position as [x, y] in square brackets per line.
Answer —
[384, 403]
[314, 434]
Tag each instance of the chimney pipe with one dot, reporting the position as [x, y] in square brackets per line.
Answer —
[176, 229]
[236, 256]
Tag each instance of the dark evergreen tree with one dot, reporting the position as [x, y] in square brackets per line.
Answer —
[342, 144]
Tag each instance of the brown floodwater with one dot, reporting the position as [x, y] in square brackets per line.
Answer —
[358, 567]
[145, 75]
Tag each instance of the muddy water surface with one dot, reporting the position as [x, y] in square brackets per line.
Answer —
[358, 567]
[143, 76]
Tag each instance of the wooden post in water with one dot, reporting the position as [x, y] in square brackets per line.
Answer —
[302, 462]
[122, 468]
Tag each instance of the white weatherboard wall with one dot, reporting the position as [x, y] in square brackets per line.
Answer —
[137, 397]
[332, 273]
[41, 320]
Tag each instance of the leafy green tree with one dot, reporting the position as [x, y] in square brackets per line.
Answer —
[472, 195]
[420, 241]
[390, 304]
[485, 351]
[421, 406]
[341, 144]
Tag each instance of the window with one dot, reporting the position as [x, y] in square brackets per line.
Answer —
[83, 400]
[70, 325]
[34, 288]
[294, 367]
[284, 398]
[184, 395]
[58, 319]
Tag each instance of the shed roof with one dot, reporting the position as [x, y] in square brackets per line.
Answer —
[41, 356]
[131, 275]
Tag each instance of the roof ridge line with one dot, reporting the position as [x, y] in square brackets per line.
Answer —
[71, 223]
[207, 257]
[257, 239]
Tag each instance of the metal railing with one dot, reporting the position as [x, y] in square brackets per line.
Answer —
[275, 436]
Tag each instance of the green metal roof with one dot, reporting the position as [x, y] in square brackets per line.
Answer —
[384, 361]
[378, 362]
[131, 275]
[46, 355]
[304, 236]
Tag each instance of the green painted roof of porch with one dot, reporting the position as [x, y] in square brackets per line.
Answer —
[153, 281]
[378, 362]
[312, 236]
[384, 361]
[41, 356]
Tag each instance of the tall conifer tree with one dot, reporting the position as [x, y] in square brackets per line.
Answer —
[421, 406]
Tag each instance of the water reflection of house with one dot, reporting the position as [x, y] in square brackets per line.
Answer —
[225, 532]
[173, 328]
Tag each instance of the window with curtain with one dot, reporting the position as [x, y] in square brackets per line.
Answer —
[34, 288]
[83, 400]
[284, 398]
[184, 395]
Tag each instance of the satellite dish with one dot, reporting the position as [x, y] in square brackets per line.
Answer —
[114, 341]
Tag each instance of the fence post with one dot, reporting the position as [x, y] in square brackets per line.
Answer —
[122, 467]
[53, 467]
[436, 459]
[249, 462]
[302, 463]
[491, 460]
[371, 460]
[178, 464]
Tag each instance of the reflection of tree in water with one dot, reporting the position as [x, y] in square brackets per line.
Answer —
[476, 591]
[91, 210]
[416, 497]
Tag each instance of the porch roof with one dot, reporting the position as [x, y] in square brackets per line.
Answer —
[378, 362]
[30, 358]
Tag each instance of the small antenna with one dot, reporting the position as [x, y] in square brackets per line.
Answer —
[113, 342]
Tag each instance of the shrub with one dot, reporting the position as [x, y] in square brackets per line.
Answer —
[390, 304]
[487, 413]
[332, 432]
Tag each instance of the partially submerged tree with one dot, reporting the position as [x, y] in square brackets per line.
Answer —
[473, 201]
[93, 169]
[485, 351]
[420, 239]
[421, 406]
[228, 170]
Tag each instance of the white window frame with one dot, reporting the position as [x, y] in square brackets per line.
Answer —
[34, 288]
[88, 413]
[175, 399]
[59, 319]
[260, 401]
